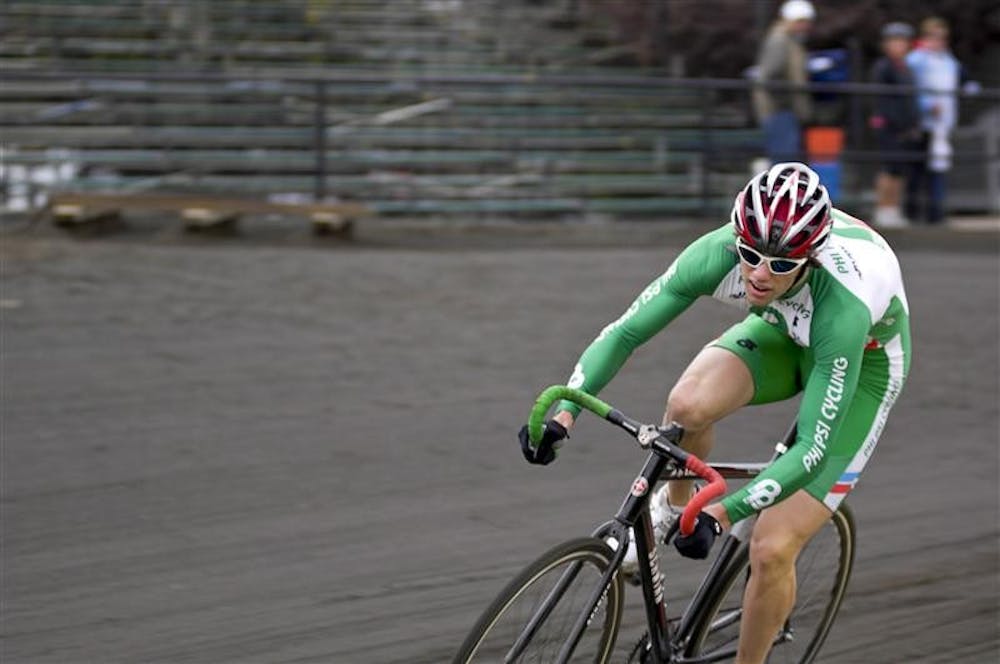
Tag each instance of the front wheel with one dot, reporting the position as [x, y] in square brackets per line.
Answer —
[531, 619]
[822, 571]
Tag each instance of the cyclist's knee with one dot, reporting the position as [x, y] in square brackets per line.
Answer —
[773, 552]
[715, 384]
[686, 407]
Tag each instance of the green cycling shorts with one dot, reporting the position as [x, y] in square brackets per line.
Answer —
[780, 367]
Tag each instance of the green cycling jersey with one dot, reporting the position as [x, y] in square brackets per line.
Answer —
[845, 327]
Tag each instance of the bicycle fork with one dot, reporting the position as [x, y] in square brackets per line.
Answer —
[632, 514]
[649, 571]
[652, 585]
[598, 596]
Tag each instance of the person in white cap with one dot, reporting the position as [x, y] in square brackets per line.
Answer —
[782, 57]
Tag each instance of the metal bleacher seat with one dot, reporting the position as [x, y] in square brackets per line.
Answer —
[497, 144]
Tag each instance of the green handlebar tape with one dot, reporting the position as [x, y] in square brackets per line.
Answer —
[556, 393]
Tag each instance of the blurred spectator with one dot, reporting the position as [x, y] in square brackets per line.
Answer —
[782, 57]
[939, 74]
[896, 121]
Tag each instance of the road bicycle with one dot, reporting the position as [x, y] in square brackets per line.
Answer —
[567, 604]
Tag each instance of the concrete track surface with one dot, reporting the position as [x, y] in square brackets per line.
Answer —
[224, 452]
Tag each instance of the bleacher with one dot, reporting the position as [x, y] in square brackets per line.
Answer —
[436, 107]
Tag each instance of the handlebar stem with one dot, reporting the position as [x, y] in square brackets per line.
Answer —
[664, 440]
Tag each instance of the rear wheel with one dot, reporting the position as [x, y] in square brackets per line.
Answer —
[517, 628]
[822, 572]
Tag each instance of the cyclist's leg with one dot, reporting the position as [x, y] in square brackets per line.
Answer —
[778, 536]
[715, 384]
[726, 375]
[782, 530]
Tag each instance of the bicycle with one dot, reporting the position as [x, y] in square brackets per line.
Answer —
[568, 602]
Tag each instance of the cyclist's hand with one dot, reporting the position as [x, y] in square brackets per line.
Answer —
[698, 543]
[545, 452]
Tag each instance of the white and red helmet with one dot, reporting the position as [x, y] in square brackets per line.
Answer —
[783, 211]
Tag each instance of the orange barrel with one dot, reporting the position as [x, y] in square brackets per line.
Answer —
[824, 143]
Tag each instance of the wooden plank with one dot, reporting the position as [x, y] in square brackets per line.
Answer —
[429, 137]
[18, 110]
[169, 202]
[355, 161]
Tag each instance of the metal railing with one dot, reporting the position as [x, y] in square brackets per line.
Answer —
[854, 98]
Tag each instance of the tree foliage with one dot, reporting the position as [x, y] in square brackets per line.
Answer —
[720, 37]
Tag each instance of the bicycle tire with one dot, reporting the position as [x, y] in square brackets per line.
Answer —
[818, 598]
[590, 552]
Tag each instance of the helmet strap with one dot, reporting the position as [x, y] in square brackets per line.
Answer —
[802, 276]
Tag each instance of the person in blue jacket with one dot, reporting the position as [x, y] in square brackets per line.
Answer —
[938, 74]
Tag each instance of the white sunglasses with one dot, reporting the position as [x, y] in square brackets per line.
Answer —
[777, 265]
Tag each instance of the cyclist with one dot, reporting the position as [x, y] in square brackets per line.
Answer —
[828, 318]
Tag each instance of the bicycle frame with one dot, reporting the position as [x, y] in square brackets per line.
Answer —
[667, 642]
[667, 646]
[666, 461]
[634, 508]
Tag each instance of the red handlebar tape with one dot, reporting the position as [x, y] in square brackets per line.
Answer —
[716, 487]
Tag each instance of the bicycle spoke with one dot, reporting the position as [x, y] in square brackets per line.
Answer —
[726, 618]
[543, 612]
